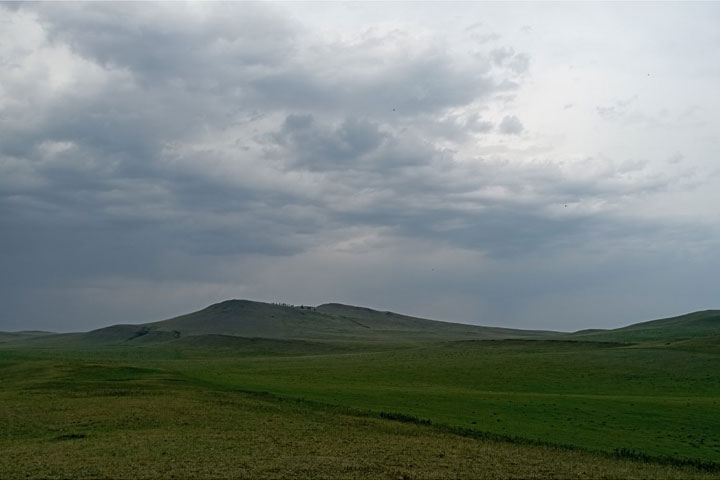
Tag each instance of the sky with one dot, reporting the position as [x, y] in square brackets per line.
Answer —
[528, 165]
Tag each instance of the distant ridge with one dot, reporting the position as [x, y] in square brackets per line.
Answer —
[24, 334]
[247, 322]
[274, 327]
[692, 325]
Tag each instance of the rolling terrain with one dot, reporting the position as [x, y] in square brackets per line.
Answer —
[690, 326]
[639, 401]
[329, 323]
[23, 335]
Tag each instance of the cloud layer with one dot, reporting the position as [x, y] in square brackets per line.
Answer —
[157, 157]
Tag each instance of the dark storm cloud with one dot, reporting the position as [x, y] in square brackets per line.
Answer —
[417, 190]
[253, 56]
[324, 148]
[400, 87]
[184, 44]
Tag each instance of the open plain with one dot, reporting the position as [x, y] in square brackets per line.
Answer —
[410, 398]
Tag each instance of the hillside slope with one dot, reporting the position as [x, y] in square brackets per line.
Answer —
[23, 335]
[394, 322]
[693, 325]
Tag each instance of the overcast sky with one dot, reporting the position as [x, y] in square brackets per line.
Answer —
[528, 165]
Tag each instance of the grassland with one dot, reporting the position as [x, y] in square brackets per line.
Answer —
[600, 397]
[212, 405]
[71, 416]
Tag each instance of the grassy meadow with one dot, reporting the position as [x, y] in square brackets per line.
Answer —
[659, 402]
[222, 406]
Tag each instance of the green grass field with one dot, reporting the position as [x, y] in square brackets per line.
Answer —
[223, 406]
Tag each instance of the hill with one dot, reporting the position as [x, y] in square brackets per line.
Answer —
[23, 335]
[329, 322]
[684, 327]
[246, 320]
[243, 323]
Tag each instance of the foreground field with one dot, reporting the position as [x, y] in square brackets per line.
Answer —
[96, 414]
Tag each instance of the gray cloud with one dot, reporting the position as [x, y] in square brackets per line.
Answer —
[505, 56]
[221, 149]
[511, 125]
[187, 46]
[328, 148]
